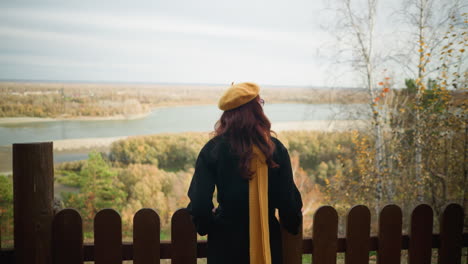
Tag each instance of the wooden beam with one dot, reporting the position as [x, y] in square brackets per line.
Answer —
[33, 192]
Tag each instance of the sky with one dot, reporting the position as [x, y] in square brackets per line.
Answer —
[208, 42]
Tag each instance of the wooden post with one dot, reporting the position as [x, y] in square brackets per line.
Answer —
[33, 193]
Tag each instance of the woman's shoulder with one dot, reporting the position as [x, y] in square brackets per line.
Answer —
[278, 144]
[280, 150]
[214, 141]
[213, 146]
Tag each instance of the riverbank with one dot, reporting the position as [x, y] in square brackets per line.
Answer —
[21, 120]
[24, 120]
[79, 148]
[321, 125]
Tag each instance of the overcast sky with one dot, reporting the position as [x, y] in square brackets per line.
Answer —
[214, 42]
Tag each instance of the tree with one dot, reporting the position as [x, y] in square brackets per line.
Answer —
[412, 140]
[358, 24]
[99, 188]
[150, 187]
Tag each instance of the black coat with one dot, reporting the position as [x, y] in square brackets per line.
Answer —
[228, 227]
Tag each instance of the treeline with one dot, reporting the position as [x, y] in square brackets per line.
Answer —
[48, 102]
[86, 100]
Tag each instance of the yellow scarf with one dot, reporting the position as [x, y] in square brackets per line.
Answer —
[258, 210]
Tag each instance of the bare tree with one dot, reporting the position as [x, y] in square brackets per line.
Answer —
[358, 25]
[427, 28]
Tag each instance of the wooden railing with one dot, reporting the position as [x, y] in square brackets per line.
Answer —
[68, 247]
[44, 238]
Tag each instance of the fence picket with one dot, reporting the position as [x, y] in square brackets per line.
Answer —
[146, 242]
[324, 235]
[183, 238]
[67, 237]
[107, 237]
[451, 238]
[420, 236]
[358, 235]
[390, 224]
[292, 246]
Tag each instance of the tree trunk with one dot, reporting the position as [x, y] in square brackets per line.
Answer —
[420, 89]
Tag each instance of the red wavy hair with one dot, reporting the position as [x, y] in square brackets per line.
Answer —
[245, 126]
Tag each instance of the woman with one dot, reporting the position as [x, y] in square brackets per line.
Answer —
[252, 173]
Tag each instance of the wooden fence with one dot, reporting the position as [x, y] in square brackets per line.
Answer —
[68, 247]
[42, 237]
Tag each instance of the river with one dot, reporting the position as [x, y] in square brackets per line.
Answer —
[166, 120]
[161, 120]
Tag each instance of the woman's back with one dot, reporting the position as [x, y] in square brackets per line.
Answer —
[228, 226]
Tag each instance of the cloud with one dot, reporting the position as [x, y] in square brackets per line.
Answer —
[157, 48]
[164, 24]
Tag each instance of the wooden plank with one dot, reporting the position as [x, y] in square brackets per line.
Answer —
[33, 193]
[166, 248]
[389, 235]
[107, 237]
[420, 237]
[67, 237]
[292, 246]
[451, 238]
[183, 238]
[358, 235]
[146, 231]
[324, 235]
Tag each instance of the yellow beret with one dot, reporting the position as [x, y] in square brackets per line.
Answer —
[237, 95]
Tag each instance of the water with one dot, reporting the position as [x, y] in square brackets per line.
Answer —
[167, 120]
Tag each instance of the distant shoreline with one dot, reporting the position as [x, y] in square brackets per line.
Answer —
[83, 146]
[21, 120]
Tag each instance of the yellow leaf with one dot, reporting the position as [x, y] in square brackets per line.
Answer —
[462, 50]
